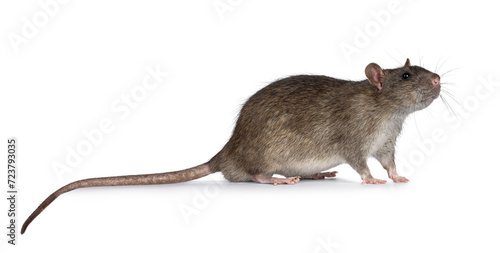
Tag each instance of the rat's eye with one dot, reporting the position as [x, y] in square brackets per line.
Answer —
[406, 76]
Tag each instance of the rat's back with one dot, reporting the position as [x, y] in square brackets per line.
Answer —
[293, 126]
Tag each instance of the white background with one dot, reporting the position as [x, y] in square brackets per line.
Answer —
[65, 78]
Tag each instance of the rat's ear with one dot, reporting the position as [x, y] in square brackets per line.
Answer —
[375, 75]
[407, 63]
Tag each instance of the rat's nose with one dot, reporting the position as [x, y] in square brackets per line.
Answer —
[436, 81]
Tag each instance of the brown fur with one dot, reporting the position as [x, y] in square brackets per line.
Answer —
[302, 125]
[306, 120]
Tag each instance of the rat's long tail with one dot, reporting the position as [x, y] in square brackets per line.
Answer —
[160, 178]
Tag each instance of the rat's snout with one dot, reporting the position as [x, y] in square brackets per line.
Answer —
[436, 80]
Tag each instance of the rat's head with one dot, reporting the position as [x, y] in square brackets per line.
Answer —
[410, 87]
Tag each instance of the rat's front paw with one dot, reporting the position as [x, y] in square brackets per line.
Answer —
[373, 181]
[398, 179]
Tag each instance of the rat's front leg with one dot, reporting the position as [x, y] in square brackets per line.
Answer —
[386, 157]
[362, 168]
[391, 171]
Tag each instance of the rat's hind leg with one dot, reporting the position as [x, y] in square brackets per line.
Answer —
[264, 179]
[321, 175]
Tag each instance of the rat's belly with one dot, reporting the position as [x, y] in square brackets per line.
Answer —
[308, 167]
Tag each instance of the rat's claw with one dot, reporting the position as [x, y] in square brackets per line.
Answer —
[398, 179]
[373, 181]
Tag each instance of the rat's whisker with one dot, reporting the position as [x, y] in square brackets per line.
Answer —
[437, 64]
[449, 71]
[289, 114]
[438, 68]
[414, 116]
[404, 57]
[451, 95]
[449, 84]
[452, 74]
[450, 109]
[393, 58]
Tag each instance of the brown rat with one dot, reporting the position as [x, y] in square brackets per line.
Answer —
[300, 126]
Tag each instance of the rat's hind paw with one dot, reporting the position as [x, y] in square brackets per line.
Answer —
[263, 179]
[321, 175]
[288, 180]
